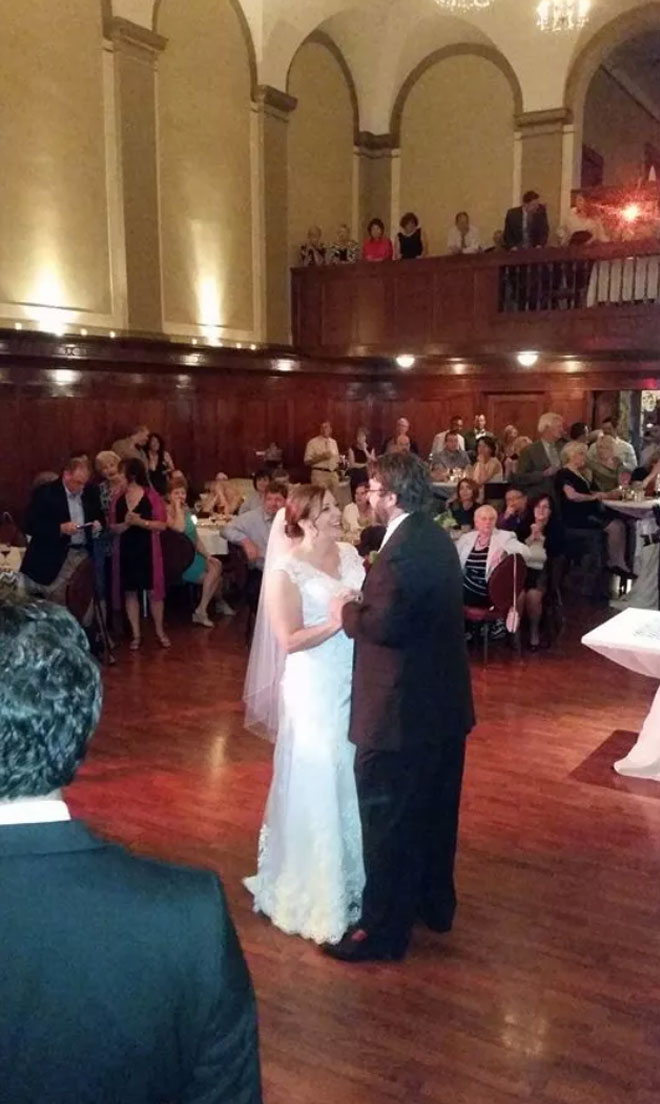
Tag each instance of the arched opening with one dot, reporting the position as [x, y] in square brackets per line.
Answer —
[453, 120]
[322, 132]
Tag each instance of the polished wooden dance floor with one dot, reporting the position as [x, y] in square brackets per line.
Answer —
[548, 990]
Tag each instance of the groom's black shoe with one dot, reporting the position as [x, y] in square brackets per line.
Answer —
[358, 946]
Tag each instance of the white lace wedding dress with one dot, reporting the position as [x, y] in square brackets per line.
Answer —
[310, 872]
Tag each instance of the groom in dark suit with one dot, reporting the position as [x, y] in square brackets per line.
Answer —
[411, 711]
[122, 980]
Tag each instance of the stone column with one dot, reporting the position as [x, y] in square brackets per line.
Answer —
[136, 50]
[271, 112]
[542, 156]
[376, 163]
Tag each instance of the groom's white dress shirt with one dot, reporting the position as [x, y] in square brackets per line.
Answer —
[34, 810]
[392, 528]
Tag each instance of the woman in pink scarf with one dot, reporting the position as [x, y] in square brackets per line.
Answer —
[139, 516]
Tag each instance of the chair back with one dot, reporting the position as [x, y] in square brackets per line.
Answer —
[507, 582]
[178, 553]
[80, 590]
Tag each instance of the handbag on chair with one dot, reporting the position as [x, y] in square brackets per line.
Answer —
[513, 617]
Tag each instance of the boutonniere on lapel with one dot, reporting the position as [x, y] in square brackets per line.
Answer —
[446, 520]
[370, 560]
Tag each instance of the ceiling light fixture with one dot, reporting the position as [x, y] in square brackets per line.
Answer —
[113, 333]
[527, 359]
[405, 360]
[464, 5]
[557, 16]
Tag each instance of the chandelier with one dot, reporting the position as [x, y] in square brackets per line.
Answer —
[464, 5]
[562, 15]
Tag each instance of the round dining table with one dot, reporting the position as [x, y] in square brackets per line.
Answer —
[644, 591]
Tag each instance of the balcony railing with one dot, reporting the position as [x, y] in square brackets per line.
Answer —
[577, 300]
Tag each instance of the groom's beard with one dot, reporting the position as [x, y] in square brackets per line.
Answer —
[381, 513]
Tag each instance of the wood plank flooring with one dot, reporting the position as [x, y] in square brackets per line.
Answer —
[548, 989]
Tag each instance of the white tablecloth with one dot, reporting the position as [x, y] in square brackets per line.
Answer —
[644, 591]
[212, 540]
[632, 639]
[624, 280]
[11, 558]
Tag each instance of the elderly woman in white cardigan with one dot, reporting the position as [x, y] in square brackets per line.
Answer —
[483, 548]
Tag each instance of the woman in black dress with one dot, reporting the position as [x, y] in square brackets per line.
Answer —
[139, 516]
[159, 464]
[584, 515]
[359, 456]
[410, 241]
[541, 529]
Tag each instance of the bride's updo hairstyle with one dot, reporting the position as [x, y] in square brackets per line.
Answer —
[303, 502]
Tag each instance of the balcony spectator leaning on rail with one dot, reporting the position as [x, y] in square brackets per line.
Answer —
[526, 227]
[462, 236]
[344, 250]
[410, 242]
[312, 251]
[376, 246]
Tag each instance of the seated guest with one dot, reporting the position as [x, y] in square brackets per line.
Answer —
[505, 445]
[402, 430]
[541, 529]
[360, 455]
[497, 243]
[539, 463]
[399, 444]
[159, 464]
[312, 251]
[481, 550]
[463, 507]
[62, 519]
[455, 426]
[451, 457]
[472, 436]
[583, 513]
[410, 242]
[251, 531]
[622, 448]
[133, 447]
[376, 247]
[139, 516]
[220, 497]
[358, 515]
[344, 250]
[514, 515]
[122, 977]
[253, 501]
[510, 464]
[462, 236]
[487, 468]
[579, 431]
[526, 227]
[204, 569]
[605, 466]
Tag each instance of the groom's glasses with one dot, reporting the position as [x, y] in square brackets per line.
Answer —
[377, 491]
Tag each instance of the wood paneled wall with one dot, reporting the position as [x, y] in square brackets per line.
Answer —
[215, 415]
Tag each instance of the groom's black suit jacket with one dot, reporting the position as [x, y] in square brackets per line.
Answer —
[411, 680]
[121, 979]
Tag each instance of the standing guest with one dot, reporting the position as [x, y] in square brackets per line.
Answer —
[112, 484]
[579, 431]
[402, 429]
[322, 457]
[411, 710]
[273, 456]
[481, 551]
[358, 515]
[139, 516]
[487, 468]
[62, 519]
[541, 529]
[514, 515]
[604, 464]
[134, 446]
[463, 507]
[344, 250]
[360, 455]
[410, 242]
[122, 977]
[526, 227]
[450, 458]
[204, 570]
[455, 426]
[539, 463]
[511, 463]
[251, 531]
[473, 435]
[253, 501]
[376, 247]
[506, 445]
[159, 464]
[622, 448]
[462, 236]
[312, 251]
[581, 227]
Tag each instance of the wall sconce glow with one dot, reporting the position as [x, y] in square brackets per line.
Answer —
[83, 333]
[631, 212]
[527, 359]
[51, 320]
[405, 360]
[284, 365]
[253, 347]
[113, 333]
[64, 376]
[194, 341]
[208, 301]
[239, 345]
[18, 325]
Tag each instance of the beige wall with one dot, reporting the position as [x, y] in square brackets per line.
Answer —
[320, 146]
[204, 139]
[53, 209]
[617, 126]
[457, 147]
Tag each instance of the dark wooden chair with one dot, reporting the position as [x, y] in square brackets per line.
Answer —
[505, 586]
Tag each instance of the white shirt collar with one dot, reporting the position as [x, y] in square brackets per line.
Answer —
[392, 528]
[34, 810]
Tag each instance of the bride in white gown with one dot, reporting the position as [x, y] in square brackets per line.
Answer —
[310, 871]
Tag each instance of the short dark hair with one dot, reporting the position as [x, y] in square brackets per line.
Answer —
[404, 475]
[530, 196]
[578, 429]
[409, 216]
[490, 442]
[376, 222]
[275, 488]
[612, 419]
[299, 507]
[459, 213]
[261, 473]
[134, 469]
[50, 698]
